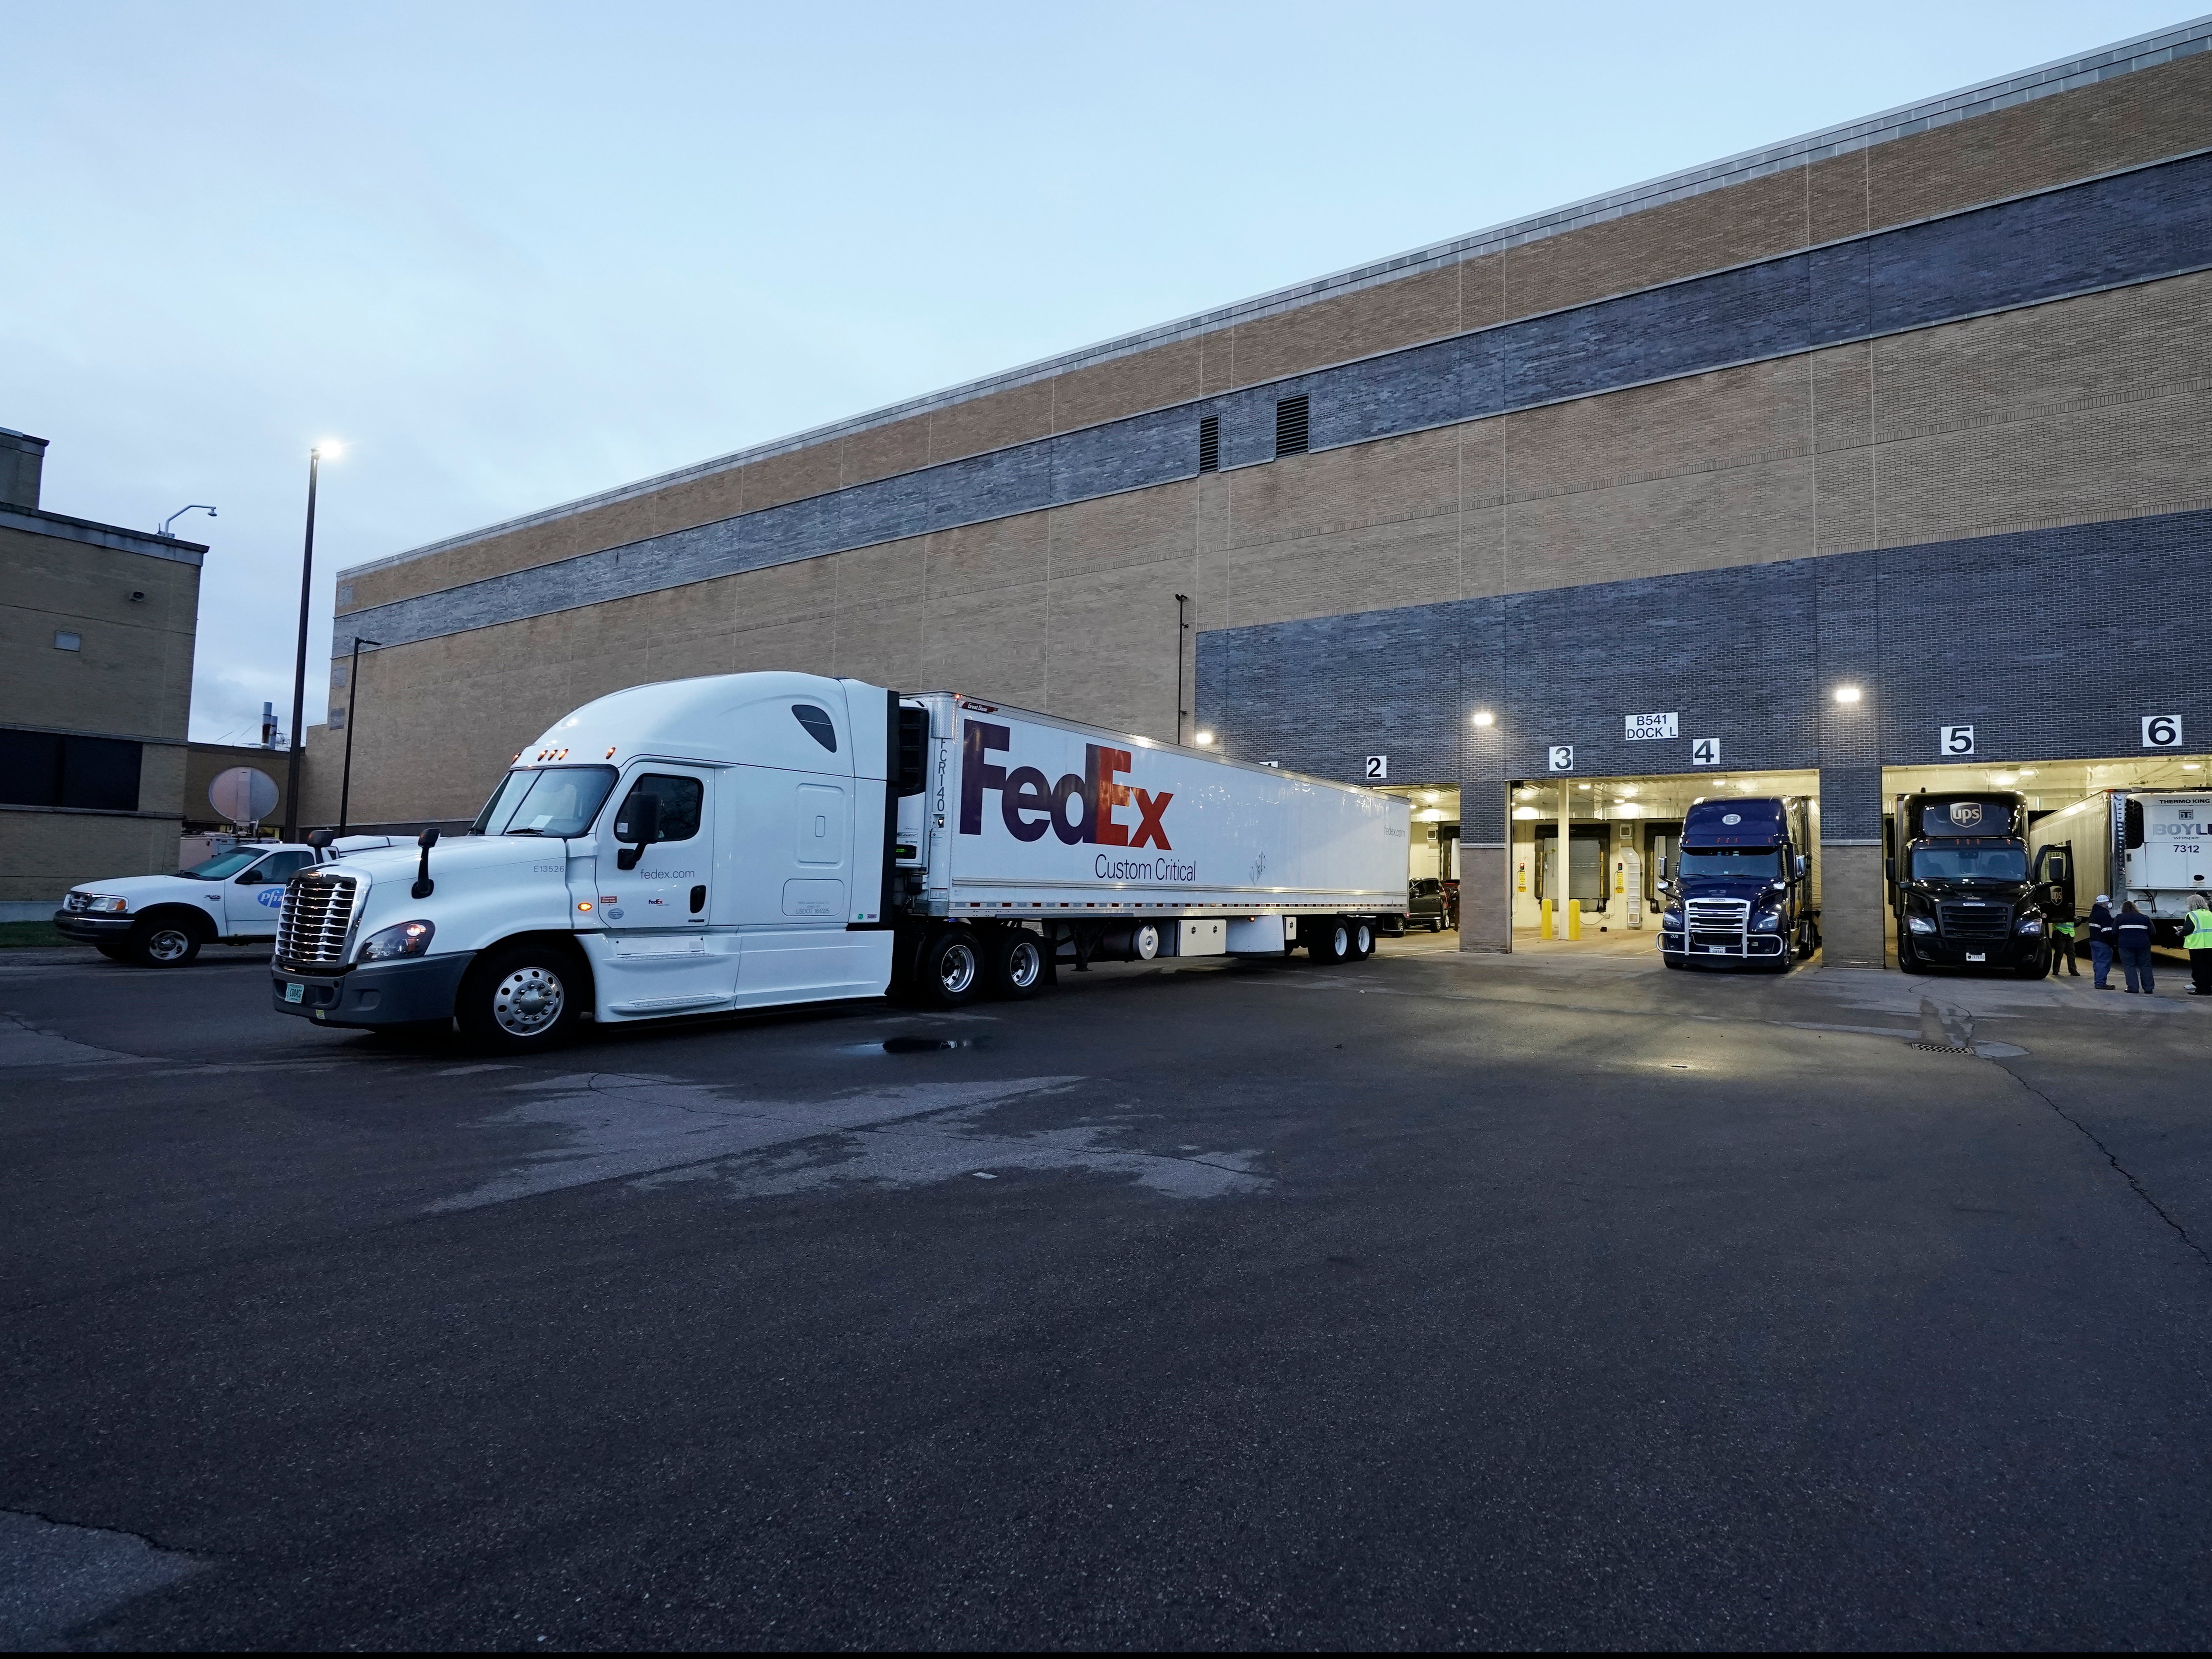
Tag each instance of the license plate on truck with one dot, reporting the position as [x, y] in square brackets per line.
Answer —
[295, 992]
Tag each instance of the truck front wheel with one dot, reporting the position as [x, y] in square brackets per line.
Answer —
[951, 971]
[521, 998]
[164, 942]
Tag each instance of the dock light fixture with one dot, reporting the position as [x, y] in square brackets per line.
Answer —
[1204, 739]
[1483, 717]
[1848, 694]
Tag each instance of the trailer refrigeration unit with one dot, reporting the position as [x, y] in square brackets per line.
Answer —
[1745, 883]
[1959, 887]
[2150, 846]
[751, 840]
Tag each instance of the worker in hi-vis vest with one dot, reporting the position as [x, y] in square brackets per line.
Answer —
[2198, 943]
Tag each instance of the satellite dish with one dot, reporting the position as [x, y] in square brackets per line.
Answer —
[243, 795]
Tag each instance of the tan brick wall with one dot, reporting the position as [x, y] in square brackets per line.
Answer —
[2080, 409]
[44, 854]
[133, 675]
[2136, 117]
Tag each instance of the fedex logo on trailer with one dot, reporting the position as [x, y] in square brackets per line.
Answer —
[1029, 804]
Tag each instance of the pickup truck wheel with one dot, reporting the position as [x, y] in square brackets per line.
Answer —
[163, 942]
[1014, 961]
[1330, 940]
[951, 968]
[521, 999]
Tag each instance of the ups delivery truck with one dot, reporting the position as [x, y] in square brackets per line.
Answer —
[745, 841]
[1960, 888]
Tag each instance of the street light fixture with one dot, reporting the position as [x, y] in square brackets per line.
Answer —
[353, 696]
[197, 507]
[300, 661]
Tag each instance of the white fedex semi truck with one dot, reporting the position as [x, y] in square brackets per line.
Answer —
[750, 840]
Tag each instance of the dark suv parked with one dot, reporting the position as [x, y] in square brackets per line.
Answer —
[1431, 903]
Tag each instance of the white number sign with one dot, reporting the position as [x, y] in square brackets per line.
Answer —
[1705, 751]
[1644, 726]
[1563, 758]
[1379, 768]
[1954, 740]
[2162, 731]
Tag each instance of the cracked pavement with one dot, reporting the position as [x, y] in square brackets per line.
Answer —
[1439, 1301]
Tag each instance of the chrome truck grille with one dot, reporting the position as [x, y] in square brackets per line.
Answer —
[1716, 924]
[317, 917]
[1970, 923]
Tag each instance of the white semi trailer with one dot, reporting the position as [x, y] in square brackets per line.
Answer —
[2152, 845]
[750, 840]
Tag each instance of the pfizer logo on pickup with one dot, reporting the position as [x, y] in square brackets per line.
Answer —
[271, 898]
[1731, 817]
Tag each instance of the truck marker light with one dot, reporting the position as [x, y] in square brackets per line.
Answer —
[583, 904]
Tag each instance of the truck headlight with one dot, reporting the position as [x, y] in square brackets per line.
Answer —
[2031, 925]
[1672, 919]
[408, 939]
[1766, 921]
[1921, 924]
[107, 904]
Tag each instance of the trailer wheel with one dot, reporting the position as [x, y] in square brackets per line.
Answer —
[1362, 940]
[1330, 940]
[1014, 961]
[523, 997]
[951, 971]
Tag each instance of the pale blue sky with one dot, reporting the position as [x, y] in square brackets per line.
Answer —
[512, 254]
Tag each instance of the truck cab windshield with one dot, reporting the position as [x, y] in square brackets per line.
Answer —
[1739, 863]
[1970, 864]
[553, 800]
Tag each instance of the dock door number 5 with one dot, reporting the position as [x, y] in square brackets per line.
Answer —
[1954, 740]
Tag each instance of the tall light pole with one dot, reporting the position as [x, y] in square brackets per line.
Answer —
[353, 696]
[1182, 627]
[300, 662]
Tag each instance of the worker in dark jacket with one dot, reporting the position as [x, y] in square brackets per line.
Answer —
[2058, 917]
[2132, 932]
[2101, 939]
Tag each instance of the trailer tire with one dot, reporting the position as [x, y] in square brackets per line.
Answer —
[522, 998]
[1015, 962]
[1362, 940]
[950, 972]
[1330, 940]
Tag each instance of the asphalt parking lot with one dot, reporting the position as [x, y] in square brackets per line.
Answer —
[1436, 1301]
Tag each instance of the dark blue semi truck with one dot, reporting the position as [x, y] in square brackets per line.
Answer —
[1745, 884]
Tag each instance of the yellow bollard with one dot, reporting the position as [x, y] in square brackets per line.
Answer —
[1574, 918]
[1544, 919]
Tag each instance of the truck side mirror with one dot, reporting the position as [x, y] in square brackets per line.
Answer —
[1800, 864]
[424, 886]
[1889, 868]
[639, 826]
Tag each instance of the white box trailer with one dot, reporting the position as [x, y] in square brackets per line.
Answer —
[2152, 845]
[746, 840]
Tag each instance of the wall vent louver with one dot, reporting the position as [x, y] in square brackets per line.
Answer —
[1291, 426]
[1209, 443]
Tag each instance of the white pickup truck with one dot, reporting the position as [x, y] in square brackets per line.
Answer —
[162, 922]
[744, 841]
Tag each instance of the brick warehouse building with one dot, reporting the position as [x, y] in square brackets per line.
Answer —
[1918, 404]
